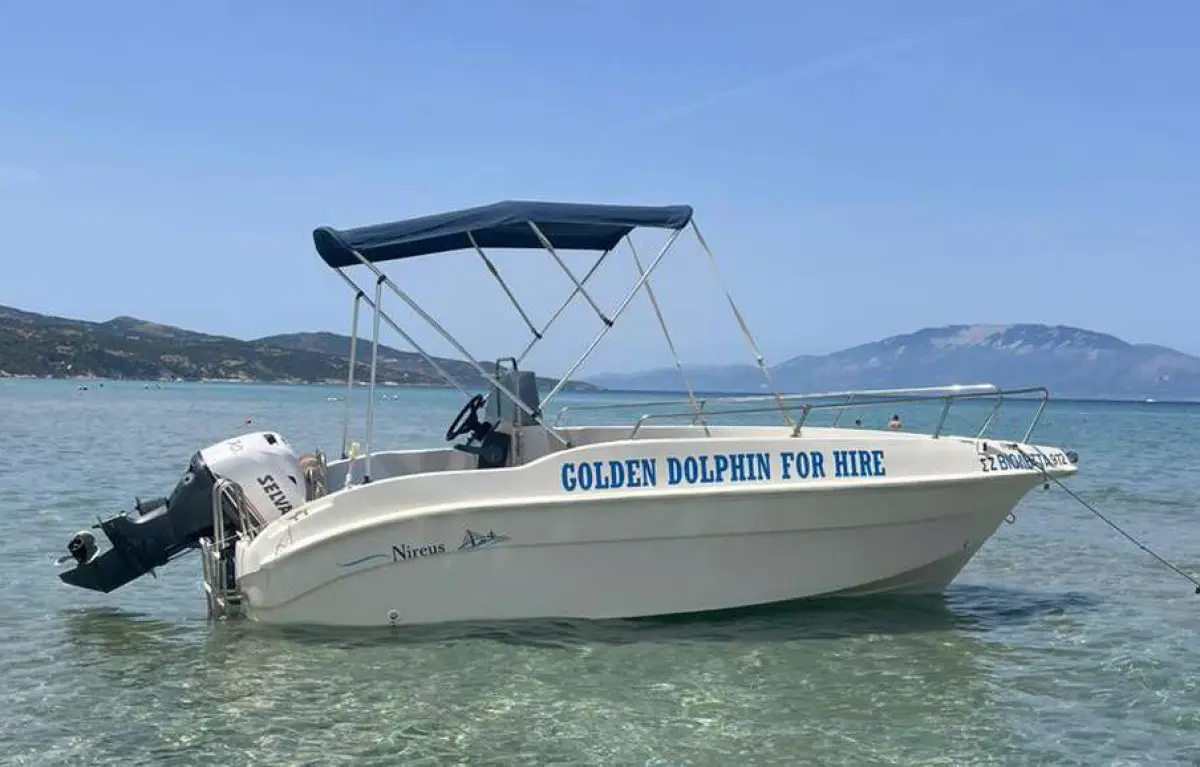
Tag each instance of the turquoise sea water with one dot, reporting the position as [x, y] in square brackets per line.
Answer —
[1060, 643]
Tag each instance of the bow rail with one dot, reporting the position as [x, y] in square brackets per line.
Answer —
[702, 408]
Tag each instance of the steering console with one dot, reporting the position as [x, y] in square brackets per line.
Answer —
[467, 421]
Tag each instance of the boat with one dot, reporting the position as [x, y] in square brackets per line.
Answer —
[522, 516]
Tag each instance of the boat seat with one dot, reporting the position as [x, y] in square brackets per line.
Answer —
[316, 475]
[510, 420]
[494, 450]
[500, 406]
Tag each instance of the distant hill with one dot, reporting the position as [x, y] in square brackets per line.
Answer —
[1072, 362]
[42, 345]
[411, 362]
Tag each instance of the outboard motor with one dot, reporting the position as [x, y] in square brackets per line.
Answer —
[262, 463]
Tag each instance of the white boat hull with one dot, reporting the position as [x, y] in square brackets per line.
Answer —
[597, 556]
[525, 519]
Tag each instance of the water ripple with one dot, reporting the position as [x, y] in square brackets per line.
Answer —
[1060, 644]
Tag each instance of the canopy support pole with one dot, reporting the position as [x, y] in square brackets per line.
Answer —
[563, 306]
[371, 387]
[407, 338]
[384, 279]
[578, 285]
[737, 314]
[662, 323]
[620, 310]
[358, 297]
[496, 273]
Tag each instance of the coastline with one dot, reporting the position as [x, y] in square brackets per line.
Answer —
[573, 387]
[588, 388]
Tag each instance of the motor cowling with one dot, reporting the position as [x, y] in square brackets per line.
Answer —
[266, 468]
[262, 463]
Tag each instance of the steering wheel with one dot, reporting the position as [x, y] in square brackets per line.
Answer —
[467, 421]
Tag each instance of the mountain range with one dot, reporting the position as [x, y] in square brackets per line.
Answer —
[42, 345]
[1071, 362]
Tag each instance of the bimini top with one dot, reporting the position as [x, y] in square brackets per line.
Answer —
[568, 226]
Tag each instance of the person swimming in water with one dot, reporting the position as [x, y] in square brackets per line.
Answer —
[894, 422]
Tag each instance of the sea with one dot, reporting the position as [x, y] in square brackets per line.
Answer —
[1061, 642]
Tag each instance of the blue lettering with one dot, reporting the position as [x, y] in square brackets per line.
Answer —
[785, 464]
[818, 464]
[802, 464]
[674, 470]
[864, 462]
[616, 478]
[720, 466]
[650, 471]
[737, 468]
[851, 463]
[764, 465]
[631, 472]
[635, 472]
[840, 466]
[692, 469]
[854, 463]
[602, 482]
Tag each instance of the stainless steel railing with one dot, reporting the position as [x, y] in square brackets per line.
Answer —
[223, 597]
[806, 404]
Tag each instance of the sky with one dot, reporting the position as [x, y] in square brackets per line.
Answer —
[860, 169]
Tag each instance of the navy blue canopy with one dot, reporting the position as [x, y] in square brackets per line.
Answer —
[568, 226]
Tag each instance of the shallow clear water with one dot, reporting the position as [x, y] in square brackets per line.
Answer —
[1060, 643]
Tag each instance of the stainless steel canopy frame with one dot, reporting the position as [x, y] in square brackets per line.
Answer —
[599, 228]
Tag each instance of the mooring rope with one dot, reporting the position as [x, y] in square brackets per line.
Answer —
[1042, 467]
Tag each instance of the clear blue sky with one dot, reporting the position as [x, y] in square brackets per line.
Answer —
[861, 168]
